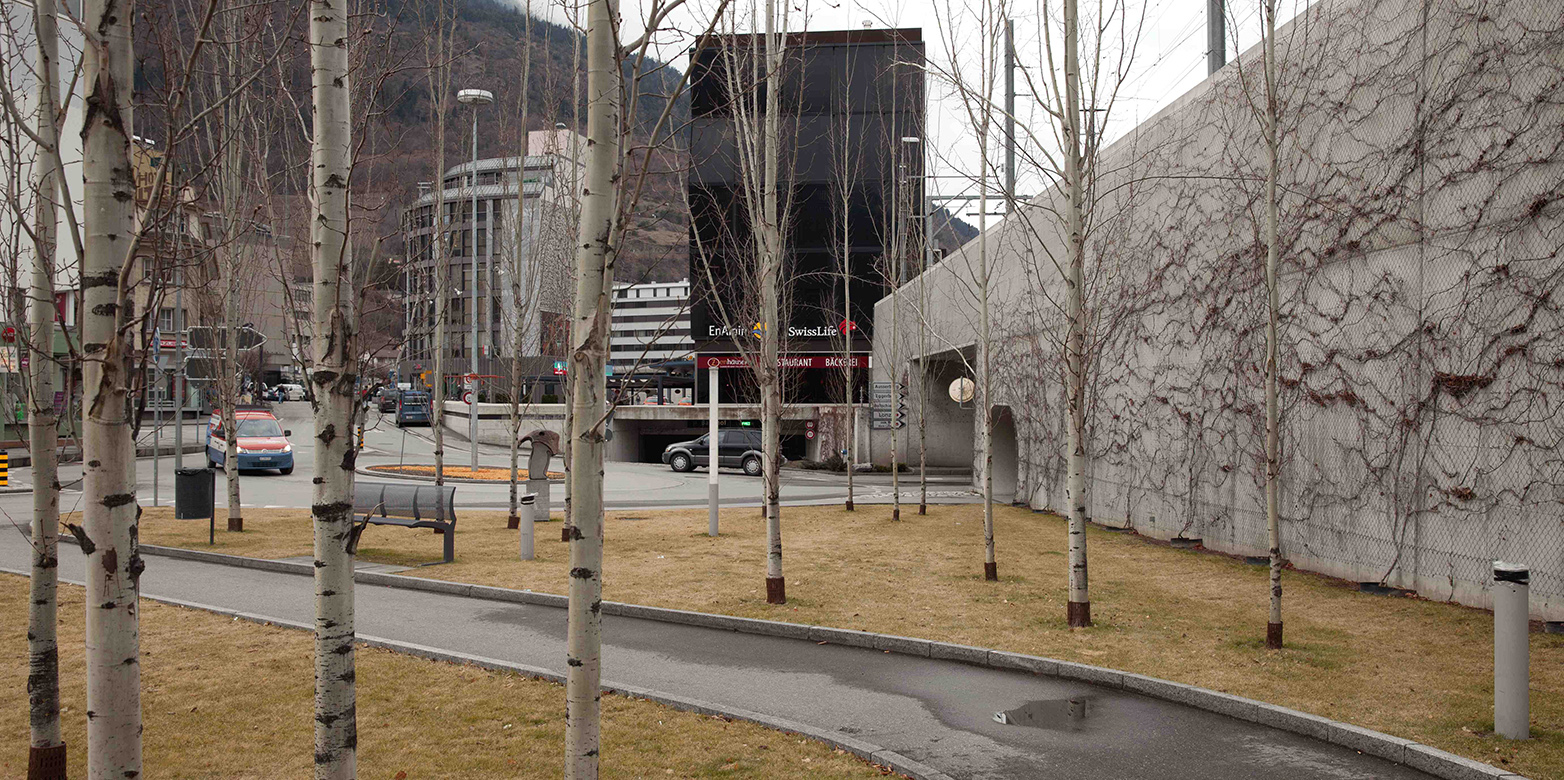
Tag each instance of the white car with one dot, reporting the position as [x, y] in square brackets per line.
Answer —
[292, 392]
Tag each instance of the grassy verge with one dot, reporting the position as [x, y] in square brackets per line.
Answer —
[1413, 668]
[223, 698]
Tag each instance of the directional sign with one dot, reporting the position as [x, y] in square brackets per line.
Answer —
[210, 337]
[883, 407]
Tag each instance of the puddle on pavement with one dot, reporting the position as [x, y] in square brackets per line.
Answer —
[1053, 714]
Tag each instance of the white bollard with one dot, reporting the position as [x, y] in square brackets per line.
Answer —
[528, 506]
[1511, 651]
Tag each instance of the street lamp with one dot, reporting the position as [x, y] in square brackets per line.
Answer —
[474, 98]
[909, 144]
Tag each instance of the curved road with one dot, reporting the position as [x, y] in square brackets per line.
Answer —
[627, 485]
[940, 713]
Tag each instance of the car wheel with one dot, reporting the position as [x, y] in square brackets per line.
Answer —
[752, 466]
[285, 472]
[681, 462]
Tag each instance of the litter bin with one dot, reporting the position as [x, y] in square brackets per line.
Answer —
[194, 491]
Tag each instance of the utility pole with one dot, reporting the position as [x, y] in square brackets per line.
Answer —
[1216, 36]
[1010, 111]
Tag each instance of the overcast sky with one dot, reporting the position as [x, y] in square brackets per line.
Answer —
[1165, 61]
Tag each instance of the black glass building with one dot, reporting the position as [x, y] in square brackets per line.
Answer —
[852, 122]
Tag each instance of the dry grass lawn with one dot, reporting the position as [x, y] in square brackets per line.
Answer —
[1413, 668]
[229, 699]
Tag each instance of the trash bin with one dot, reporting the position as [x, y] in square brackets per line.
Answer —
[194, 491]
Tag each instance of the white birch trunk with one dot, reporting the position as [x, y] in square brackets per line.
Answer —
[985, 369]
[770, 303]
[589, 391]
[1079, 608]
[230, 268]
[518, 305]
[336, 726]
[440, 86]
[923, 370]
[109, 505]
[46, 746]
[1273, 632]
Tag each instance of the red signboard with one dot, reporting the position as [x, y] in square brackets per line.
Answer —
[787, 361]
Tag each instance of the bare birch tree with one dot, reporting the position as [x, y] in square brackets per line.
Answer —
[440, 52]
[46, 748]
[333, 347]
[977, 102]
[109, 532]
[518, 249]
[1266, 109]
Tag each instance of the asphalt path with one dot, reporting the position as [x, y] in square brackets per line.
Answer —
[626, 485]
[943, 714]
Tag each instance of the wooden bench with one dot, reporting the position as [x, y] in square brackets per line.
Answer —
[409, 506]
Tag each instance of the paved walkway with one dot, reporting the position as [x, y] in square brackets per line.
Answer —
[940, 713]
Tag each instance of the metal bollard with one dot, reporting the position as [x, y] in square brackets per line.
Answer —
[1511, 651]
[528, 506]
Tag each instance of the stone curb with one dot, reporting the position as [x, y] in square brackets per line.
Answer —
[867, 751]
[1439, 763]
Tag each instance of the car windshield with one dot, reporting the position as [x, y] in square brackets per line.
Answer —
[259, 427]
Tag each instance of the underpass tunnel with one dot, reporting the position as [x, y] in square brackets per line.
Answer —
[1006, 457]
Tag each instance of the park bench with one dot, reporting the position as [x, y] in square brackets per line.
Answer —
[409, 506]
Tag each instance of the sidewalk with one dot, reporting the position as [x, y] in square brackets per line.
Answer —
[70, 450]
[946, 717]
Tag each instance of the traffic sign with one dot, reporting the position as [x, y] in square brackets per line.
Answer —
[467, 397]
[216, 337]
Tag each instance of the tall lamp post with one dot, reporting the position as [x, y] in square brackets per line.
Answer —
[474, 98]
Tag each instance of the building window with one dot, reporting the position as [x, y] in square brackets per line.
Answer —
[165, 319]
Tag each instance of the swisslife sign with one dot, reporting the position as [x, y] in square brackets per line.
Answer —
[786, 361]
[793, 331]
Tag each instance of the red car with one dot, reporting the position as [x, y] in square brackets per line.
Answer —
[262, 442]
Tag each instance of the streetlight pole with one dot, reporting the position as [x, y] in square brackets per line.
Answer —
[474, 98]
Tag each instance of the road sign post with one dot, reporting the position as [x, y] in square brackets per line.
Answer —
[711, 448]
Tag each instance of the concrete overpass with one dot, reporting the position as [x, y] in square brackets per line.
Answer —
[640, 432]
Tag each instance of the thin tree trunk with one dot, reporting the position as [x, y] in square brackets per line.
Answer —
[1079, 609]
[594, 263]
[440, 86]
[576, 201]
[770, 302]
[923, 370]
[46, 746]
[518, 254]
[336, 724]
[231, 233]
[847, 338]
[1273, 631]
[985, 368]
[109, 505]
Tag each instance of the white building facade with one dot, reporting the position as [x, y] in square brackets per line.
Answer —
[651, 326]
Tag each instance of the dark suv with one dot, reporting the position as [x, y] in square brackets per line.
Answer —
[736, 448]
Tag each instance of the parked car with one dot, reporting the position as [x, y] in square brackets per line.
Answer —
[388, 399]
[736, 448]
[293, 392]
[262, 442]
[412, 407]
